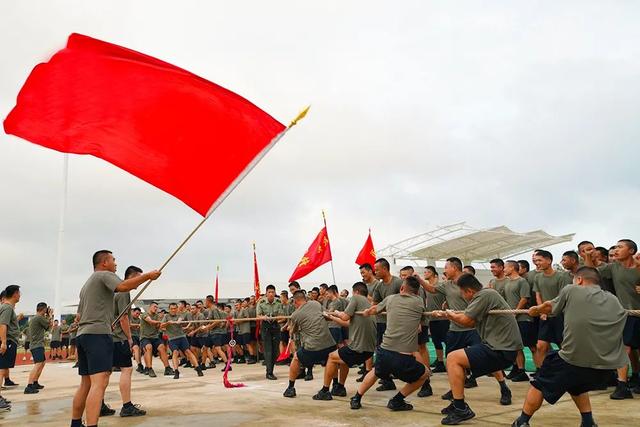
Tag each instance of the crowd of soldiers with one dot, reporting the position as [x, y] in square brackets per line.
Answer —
[379, 326]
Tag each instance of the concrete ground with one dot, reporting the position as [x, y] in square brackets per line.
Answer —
[206, 402]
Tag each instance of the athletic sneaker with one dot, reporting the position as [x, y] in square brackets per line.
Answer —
[30, 389]
[447, 396]
[4, 407]
[470, 382]
[176, 374]
[106, 410]
[140, 369]
[361, 378]
[322, 395]
[514, 372]
[308, 377]
[5, 400]
[636, 389]
[339, 390]
[456, 416]
[168, 371]
[505, 397]
[132, 411]
[448, 409]
[439, 367]
[355, 403]
[399, 405]
[289, 392]
[593, 424]
[386, 385]
[9, 383]
[520, 377]
[212, 365]
[425, 390]
[621, 392]
[199, 371]
[301, 375]
[225, 367]
[37, 385]
[152, 373]
[515, 424]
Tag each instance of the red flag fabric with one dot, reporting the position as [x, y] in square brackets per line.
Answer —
[165, 125]
[256, 277]
[216, 287]
[286, 353]
[367, 254]
[319, 253]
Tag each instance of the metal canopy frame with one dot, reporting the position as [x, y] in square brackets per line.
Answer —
[470, 244]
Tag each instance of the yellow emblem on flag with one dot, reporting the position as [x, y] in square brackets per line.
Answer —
[304, 261]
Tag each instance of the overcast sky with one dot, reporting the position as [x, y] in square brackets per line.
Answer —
[424, 113]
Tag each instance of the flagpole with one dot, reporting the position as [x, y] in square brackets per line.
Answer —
[333, 272]
[63, 209]
[221, 199]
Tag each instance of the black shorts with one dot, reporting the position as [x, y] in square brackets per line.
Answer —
[8, 359]
[336, 333]
[121, 355]
[438, 330]
[345, 333]
[461, 339]
[253, 333]
[38, 354]
[309, 358]
[380, 329]
[528, 333]
[551, 330]
[136, 340]
[284, 337]
[72, 341]
[557, 377]
[217, 340]
[179, 343]
[353, 358]
[244, 339]
[154, 342]
[405, 367]
[423, 335]
[55, 344]
[95, 353]
[26, 346]
[631, 333]
[483, 360]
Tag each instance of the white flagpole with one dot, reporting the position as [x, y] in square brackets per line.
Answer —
[63, 209]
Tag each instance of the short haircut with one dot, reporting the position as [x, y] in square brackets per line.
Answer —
[345, 290]
[199, 301]
[209, 298]
[98, 257]
[604, 252]
[131, 270]
[299, 294]
[584, 242]
[11, 290]
[383, 263]
[455, 261]
[238, 301]
[469, 281]
[470, 267]
[3, 295]
[315, 289]
[589, 274]
[366, 266]
[270, 288]
[544, 254]
[573, 255]
[413, 284]
[333, 289]
[630, 244]
[137, 309]
[514, 264]
[524, 264]
[324, 285]
[295, 284]
[497, 261]
[432, 269]
[183, 302]
[408, 268]
[41, 306]
[152, 303]
[613, 248]
[173, 304]
[284, 292]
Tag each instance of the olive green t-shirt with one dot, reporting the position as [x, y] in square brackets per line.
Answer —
[624, 282]
[174, 330]
[37, 327]
[148, 330]
[372, 286]
[362, 330]
[499, 284]
[383, 290]
[549, 286]
[199, 333]
[498, 331]
[312, 326]
[423, 295]
[269, 309]
[404, 314]
[244, 327]
[8, 317]
[219, 328]
[454, 299]
[120, 301]
[531, 280]
[593, 324]
[96, 303]
[56, 333]
[135, 326]
[74, 330]
[27, 333]
[435, 302]
[339, 304]
[514, 290]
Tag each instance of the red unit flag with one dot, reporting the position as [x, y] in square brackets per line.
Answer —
[367, 254]
[319, 253]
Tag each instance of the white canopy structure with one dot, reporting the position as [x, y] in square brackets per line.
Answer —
[470, 244]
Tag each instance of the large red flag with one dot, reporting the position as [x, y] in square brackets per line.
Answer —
[319, 253]
[367, 254]
[167, 126]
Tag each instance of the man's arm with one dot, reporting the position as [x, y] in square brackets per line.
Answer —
[124, 324]
[3, 337]
[541, 309]
[134, 282]
[425, 285]
[335, 316]
[522, 303]
[460, 318]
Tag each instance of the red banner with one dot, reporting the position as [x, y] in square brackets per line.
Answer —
[319, 253]
[367, 254]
